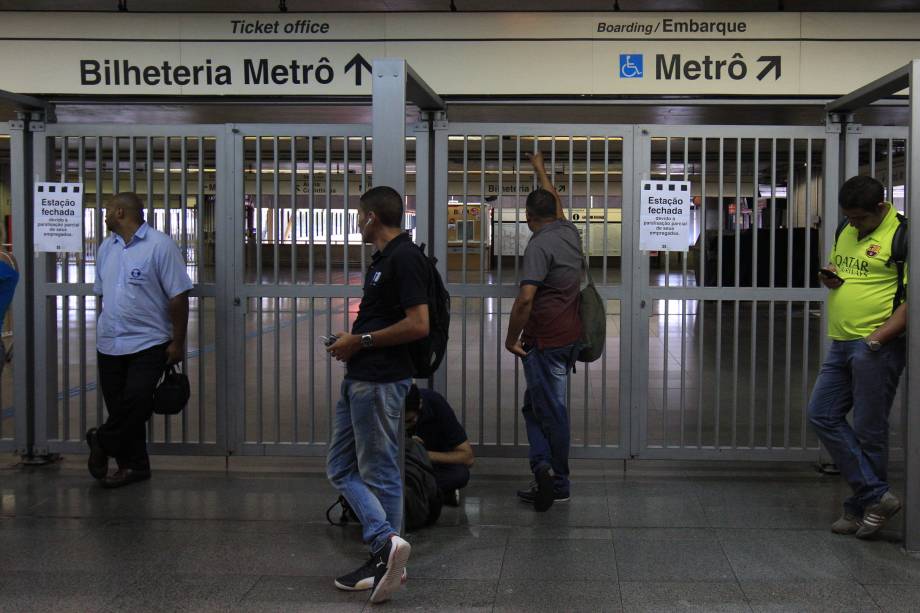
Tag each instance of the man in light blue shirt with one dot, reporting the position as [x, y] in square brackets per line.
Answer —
[142, 282]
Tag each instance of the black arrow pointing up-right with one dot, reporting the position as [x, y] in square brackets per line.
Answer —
[359, 64]
[773, 61]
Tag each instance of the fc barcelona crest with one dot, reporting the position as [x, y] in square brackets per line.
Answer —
[873, 250]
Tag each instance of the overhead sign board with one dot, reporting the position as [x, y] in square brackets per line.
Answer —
[774, 54]
[58, 219]
[664, 216]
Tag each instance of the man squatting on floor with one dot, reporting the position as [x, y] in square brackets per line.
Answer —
[363, 459]
[867, 319]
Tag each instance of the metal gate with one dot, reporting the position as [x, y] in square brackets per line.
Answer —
[711, 353]
[483, 178]
[298, 265]
[178, 172]
[733, 330]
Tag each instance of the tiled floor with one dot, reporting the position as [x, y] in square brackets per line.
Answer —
[658, 537]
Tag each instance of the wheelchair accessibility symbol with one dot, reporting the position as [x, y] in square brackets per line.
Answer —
[630, 66]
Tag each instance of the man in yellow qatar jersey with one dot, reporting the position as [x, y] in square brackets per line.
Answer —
[867, 318]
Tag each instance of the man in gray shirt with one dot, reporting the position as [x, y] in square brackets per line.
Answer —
[545, 332]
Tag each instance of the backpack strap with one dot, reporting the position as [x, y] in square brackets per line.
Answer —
[840, 228]
[899, 251]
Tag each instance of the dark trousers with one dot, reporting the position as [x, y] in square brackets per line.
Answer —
[451, 476]
[128, 382]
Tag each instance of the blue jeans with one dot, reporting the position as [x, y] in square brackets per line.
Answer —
[853, 377]
[363, 459]
[545, 412]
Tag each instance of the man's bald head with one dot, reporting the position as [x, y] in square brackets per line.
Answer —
[124, 213]
[130, 202]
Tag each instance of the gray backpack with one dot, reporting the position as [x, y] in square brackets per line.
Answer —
[593, 320]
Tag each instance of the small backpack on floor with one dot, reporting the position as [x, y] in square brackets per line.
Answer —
[421, 502]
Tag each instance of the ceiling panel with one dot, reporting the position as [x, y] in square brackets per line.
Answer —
[268, 6]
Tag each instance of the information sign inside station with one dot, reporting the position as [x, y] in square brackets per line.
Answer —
[664, 216]
[58, 226]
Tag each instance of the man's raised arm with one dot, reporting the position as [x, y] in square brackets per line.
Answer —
[537, 160]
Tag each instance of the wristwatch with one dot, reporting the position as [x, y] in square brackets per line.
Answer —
[873, 345]
[367, 341]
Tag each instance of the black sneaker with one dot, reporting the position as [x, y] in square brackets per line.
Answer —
[530, 495]
[544, 495]
[362, 578]
[389, 564]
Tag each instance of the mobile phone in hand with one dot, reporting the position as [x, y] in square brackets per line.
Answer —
[830, 274]
[328, 341]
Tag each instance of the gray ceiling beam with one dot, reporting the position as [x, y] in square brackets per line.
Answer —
[883, 87]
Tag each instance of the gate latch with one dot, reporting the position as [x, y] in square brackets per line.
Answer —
[236, 302]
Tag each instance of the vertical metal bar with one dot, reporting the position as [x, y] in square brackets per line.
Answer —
[806, 306]
[755, 282]
[276, 249]
[772, 302]
[482, 212]
[329, 210]
[98, 219]
[666, 327]
[463, 247]
[312, 370]
[736, 305]
[65, 300]
[202, 266]
[132, 171]
[889, 187]
[389, 123]
[667, 254]
[790, 216]
[295, 332]
[260, 332]
[872, 157]
[718, 388]
[517, 252]
[701, 308]
[329, 368]
[364, 189]
[293, 222]
[912, 433]
[604, 407]
[346, 222]
[587, 372]
[498, 299]
[721, 210]
[683, 318]
[463, 223]
[81, 305]
[183, 223]
[276, 212]
[483, 224]
[311, 212]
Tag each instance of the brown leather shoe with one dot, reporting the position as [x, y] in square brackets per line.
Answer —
[125, 476]
[98, 462]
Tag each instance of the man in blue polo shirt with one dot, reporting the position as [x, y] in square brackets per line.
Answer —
[143, 285]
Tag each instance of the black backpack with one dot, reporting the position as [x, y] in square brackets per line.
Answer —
[899, 251]
[427, 353]
[421, 502]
